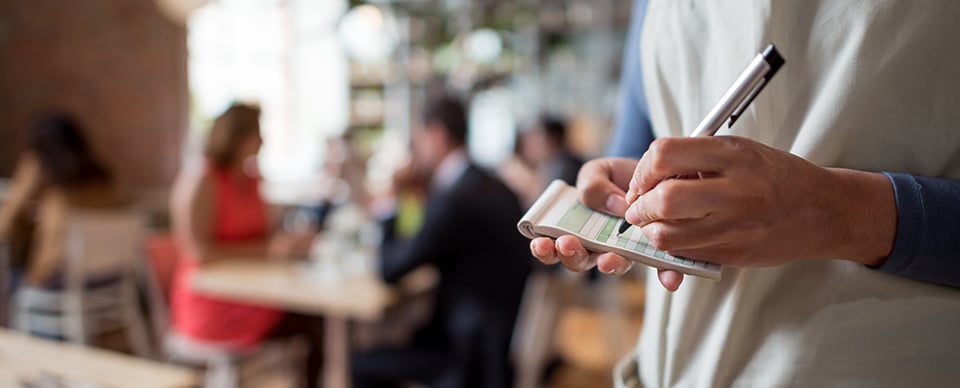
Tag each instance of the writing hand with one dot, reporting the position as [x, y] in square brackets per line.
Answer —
[756, 205]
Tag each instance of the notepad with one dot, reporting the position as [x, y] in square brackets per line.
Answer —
[558, 212]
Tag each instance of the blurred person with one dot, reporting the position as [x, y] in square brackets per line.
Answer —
[61, 175]
[469, 233]
[544, 146]
[342, 179]
[519, 175]
[218, 213]
[541, 155]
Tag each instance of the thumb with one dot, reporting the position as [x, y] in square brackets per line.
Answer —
[670, 279]
[616, 204]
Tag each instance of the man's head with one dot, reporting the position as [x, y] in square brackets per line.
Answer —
[444, 130]
[544, 139]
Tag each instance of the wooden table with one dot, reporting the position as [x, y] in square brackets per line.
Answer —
[23, 358]
[293, 287]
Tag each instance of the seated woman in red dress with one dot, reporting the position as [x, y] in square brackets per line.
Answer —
[218, 213]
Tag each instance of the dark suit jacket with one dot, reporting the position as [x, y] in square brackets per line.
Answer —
[469, 233]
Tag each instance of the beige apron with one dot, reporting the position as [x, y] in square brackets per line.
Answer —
[868, 84]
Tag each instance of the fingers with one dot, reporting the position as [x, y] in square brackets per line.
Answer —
[566, 250]
[613, 264]
[670, 279]
[601, 184]
[544, 250]
[679, 199]
[573, 255]
[670, 157]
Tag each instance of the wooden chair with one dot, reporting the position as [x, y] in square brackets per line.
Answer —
[97, 291]
[225, 366]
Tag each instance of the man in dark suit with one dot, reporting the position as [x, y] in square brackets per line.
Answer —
[469, 233]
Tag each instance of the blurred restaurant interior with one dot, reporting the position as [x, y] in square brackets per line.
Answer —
[217, 192]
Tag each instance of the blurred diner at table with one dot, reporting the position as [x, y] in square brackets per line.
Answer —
[300, 206]
[218, 213]
[468, 233]
[58, 175]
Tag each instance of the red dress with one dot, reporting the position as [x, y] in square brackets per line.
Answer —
[240, 216]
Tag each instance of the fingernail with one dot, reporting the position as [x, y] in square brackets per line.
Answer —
[609, 271]
[633, 190]
[539, 252]
[616, 204]
[564, 252]
[633, 215]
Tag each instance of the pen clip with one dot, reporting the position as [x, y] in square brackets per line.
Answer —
[746, 102]
[774, 62]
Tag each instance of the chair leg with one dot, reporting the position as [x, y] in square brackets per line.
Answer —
[538, 331]
[136, 328]
[21, 318]
[5, 305]
[222, 372]
[73, 321]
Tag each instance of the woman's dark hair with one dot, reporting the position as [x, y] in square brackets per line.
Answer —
[65, 159]
[229, 131]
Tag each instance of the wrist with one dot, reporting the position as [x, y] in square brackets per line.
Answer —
[868, 217]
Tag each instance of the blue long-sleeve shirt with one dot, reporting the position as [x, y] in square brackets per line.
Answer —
[632, 132]
[927, 243]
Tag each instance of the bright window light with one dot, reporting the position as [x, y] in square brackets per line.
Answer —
[283, 55]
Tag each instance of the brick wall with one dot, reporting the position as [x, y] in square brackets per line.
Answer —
[119, 65]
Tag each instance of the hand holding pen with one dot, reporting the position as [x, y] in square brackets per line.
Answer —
[733, 103]
[756, 206]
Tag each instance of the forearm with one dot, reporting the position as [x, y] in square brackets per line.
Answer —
[866, 223]
[237, 251]
[211, 252]
[901, 224]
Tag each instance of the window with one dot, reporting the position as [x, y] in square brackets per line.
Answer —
[282, 54]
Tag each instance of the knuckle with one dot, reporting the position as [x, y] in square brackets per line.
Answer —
[734, 143]
[589, 170]
[668, 199]
[660, 238]
[742, 148]
[663, 146]
[592, 193]
[658, 152]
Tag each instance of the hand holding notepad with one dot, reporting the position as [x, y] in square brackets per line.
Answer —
[558, 212]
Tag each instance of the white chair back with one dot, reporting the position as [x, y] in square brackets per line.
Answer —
[101, 243]
[99, 290]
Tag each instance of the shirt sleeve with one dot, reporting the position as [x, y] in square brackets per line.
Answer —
[632, 132]
[927, 242]
[437, 237]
